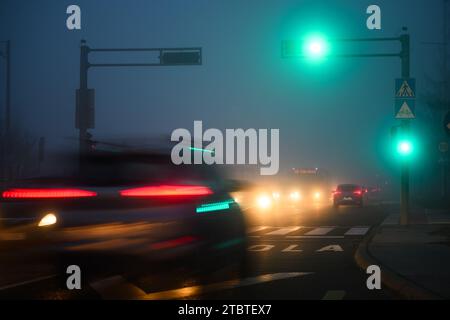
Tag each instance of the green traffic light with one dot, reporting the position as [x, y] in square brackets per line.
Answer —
[404, 147]
[315, 47]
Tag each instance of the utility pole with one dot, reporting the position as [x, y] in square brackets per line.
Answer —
[7, 121]
[445, 96]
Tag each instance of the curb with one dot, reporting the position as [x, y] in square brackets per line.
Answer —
[400, 285]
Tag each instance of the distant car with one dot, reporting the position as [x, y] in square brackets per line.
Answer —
[127, 205]
[348, 194]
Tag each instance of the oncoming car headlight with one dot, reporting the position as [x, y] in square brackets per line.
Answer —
[317, 195]
[295, 196]
[264, 201]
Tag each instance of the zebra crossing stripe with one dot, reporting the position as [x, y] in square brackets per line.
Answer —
[256, 229]
[282, 231]
[357, 231]
[319, 231]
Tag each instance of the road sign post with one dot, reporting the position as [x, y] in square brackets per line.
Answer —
[403, 90]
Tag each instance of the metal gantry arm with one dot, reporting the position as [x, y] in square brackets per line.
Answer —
[186, 56]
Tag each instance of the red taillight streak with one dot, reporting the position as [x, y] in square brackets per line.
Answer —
[173, 243]
[167, 191]
[47, 193]
[357, 192]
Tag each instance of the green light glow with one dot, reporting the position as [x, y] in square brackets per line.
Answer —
[217, 206]
[315, 47]
[404, 147]
[201, 150]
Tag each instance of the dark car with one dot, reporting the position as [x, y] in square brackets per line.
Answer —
[350, 194]
[126, 205]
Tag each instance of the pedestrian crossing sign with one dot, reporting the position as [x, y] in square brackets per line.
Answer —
[404, 109]
[405, 88]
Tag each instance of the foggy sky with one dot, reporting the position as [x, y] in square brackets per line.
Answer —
[336, 115]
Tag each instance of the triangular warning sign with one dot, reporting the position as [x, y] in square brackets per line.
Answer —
[405, 112]
[405, 90]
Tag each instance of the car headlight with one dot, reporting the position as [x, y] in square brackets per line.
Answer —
[317, 195]
[295, 196]
[263, 202]
[48, 220]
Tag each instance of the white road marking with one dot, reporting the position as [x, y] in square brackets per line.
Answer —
[319, 231]
[256, 229]
[14, 285]
[261, 247]
[283, 231]
[117, 288]
[225, 285]
[334, 295]
[292, 248]
[333, 247]
[357, 231]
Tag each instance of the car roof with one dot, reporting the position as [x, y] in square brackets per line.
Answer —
[349, 185]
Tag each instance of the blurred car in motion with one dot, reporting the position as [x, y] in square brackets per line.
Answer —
[276, 194]
[348, 194]
[126, 204]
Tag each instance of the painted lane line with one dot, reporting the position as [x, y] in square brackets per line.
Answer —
[117, 288]
[14, 285]
[357, 231]
[334, 295]
[319, 231]
[256, 229]
[225, 285]
[261, 247]
[292, 248]
[283, 231]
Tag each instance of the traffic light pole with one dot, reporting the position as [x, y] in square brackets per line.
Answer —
[404, 193]
[83, 93]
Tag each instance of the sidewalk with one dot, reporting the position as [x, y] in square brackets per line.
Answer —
[414, 259]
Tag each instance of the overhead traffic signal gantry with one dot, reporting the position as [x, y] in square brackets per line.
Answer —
[405, 147]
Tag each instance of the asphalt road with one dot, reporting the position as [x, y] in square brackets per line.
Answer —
[305, 253]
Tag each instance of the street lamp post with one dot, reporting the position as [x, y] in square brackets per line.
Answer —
[290, 49]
